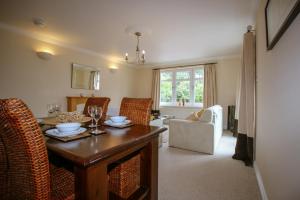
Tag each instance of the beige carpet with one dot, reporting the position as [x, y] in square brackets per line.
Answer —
[186, 175]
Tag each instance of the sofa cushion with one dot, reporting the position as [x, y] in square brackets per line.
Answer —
[192, 117]
[195, 116]
[206, 116]
[199, 113]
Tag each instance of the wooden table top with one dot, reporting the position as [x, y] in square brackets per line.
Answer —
[86, 151]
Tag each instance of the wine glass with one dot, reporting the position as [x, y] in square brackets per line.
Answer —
[57, 109]
[51, 110]
[91, 113]
[97, 113]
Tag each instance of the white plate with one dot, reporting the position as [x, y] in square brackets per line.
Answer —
[111, 123]
[56, 133]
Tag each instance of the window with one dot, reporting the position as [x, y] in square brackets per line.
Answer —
[182, 86]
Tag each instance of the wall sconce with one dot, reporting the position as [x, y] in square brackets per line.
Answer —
[113, 68]
[44, 55]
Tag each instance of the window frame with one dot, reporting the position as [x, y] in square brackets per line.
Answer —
[192, 80]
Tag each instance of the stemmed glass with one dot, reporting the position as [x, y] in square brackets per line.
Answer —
[91, 112]
[51, 110]
[57, 109]
[97, 113]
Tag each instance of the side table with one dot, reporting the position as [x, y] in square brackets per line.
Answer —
[166, 119]
[158, 122]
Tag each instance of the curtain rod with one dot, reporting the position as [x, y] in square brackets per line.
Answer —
[183, 66]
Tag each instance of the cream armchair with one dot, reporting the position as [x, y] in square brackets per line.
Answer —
[202, 135]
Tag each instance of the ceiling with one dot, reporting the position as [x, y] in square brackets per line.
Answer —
[176, 30]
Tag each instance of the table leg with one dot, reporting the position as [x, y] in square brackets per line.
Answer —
[149, 168]
[91, 183]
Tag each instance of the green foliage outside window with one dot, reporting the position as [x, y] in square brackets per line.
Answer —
[183, 91]
[182, 75]
[166, 91]
[183, 86]
[199, 73]
[165, 76]
[198, 91]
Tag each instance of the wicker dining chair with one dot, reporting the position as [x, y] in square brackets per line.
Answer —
[3, 172]
[138, 110]
[124, 179]
[24, 159]
[98, 101]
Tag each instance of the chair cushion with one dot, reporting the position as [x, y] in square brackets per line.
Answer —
[62, 184]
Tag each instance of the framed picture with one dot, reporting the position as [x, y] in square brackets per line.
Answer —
[279, 15]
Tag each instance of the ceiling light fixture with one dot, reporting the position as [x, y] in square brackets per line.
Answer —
[139, 56]
[39, 22]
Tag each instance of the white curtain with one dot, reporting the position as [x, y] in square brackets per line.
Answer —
[246, 103]
[246, 98]
[238, 93]
[210, 88]
[155, 93]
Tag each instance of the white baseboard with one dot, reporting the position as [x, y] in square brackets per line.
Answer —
[260, 182]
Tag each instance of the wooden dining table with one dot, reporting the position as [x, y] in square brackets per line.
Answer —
[91, 157]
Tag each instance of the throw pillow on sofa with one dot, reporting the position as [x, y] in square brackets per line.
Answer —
[206, 116]
[199, 114]
[192, 117]
[195, 116]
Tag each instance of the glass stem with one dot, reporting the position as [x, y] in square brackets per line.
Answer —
[96, 125]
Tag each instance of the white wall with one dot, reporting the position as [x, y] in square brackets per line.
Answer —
[228, 71]
[227, 74]
[38, 82]
[278, 112]
[143, 82]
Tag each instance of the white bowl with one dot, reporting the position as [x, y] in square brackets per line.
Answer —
[118, 119]
[68, 127]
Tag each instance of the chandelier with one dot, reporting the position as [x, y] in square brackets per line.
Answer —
[139, 56]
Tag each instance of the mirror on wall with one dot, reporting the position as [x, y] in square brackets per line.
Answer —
[85, 77]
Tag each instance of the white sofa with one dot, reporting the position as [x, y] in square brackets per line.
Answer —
[202, 135]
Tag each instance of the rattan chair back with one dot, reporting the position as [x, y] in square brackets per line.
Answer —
[138, 110]
[23, 146]
[98, 101]
[3, 172]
